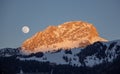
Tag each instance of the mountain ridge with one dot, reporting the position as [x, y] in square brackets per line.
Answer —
[96, 58]
[108, 51]
[66, 36]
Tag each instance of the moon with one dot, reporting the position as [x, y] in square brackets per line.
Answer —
[25, 29]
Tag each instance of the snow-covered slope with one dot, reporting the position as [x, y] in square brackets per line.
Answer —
[58, 57]
[97, 53]
[91, 55]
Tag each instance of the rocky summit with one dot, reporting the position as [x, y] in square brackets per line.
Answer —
[64, 36]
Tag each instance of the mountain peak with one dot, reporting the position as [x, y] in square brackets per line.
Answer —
[66, 36]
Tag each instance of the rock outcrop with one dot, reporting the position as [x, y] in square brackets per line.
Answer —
[66, 36]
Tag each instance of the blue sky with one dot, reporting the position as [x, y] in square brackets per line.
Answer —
[38, 14]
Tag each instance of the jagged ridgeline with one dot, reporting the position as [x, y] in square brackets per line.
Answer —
[64, 36]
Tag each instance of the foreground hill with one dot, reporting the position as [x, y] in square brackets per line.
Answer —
[97, 58]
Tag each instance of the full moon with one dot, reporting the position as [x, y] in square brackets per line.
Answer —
[25, 29]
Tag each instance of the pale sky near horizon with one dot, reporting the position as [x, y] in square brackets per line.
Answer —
[38, 14]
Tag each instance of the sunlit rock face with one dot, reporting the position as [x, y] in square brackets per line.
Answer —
[66, 36]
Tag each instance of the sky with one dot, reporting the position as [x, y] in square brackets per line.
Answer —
[38, 14]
